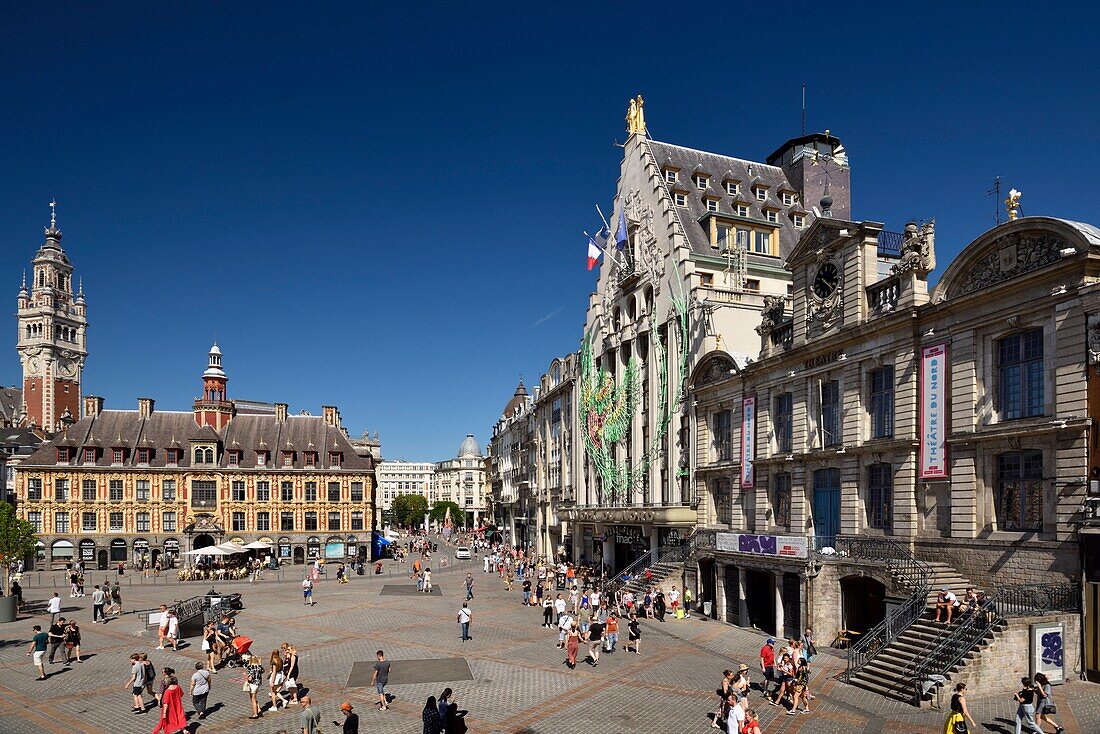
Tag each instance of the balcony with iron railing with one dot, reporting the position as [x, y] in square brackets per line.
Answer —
[889, 243]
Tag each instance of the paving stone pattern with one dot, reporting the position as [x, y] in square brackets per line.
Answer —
[518, 680]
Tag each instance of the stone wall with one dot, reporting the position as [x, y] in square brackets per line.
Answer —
[990, 562]
[1001, 665]
[826, 612]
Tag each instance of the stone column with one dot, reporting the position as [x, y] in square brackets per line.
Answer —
[742, 606]
[719, 591]
[777, 579]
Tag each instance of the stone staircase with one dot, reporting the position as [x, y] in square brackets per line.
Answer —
[662, 572]
[890, 673]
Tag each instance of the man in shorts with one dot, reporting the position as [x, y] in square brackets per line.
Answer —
[173, 635]
[767, 665]
[380, 678]
[162, 628]
[38, 650]
[307, 591]
[595, 640]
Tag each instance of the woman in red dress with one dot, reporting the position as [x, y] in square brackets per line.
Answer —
[172, 719]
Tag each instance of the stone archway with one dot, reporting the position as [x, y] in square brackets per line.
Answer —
[202, 540]
[863, 601]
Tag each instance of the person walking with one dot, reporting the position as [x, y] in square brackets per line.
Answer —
[173, 635]
[275, 680]
[210, 645]
[430, 717]
[350, 725]
[380, 678]
[116, 600]
[1046, 707]
[1027, 697]
[251, 677]
[723, 692]
[959, 712]
[634, 634]
[172, 718]
[572, 643]
[464, 617]
[808, 646]
[427, 580]
[162, 627]
[37, 648]
[547, 612]
[99, 601]
[54, 607]
[469, 587]
[307, 591]
[595, 640]
[199, 689]
[290, 672]
[310, 717]
[136, 683]
[767, 666]
[72, 642]
[56, 634]
[611, 637]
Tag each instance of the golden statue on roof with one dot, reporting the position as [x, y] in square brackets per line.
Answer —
[1012, 203]
[635, 116]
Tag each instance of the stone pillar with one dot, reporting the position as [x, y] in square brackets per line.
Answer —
[719, 591]
[742, 607]
[777, 579]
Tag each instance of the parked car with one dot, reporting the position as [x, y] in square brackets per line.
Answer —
[462, 553]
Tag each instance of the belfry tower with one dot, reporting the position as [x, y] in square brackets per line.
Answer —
[51, 343]
[214, 408]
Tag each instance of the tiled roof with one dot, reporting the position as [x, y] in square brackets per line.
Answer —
[11, 403]
[720, 168]
[164, 429]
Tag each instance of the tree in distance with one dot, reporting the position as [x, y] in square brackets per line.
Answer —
[409, 509]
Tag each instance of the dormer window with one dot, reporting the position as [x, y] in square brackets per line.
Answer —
[742, 210]
[172, 457]
[310, 459]
[671, 176]
[712, 205]
[234, 458]
[204, 455]
[799, 221]
[144, 456]
[761, 193]
[261, 458]
[702, 182]
[680, 199]
[788, 198]
[733, 188]
[772, 215]
[288, 458]
[63, 455]
[117, 455]
[89, 456]
[335, 459]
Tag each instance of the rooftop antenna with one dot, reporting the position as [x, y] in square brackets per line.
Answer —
[995, 192]
[803, 108]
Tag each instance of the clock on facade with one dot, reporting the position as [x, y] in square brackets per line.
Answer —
[826, 280]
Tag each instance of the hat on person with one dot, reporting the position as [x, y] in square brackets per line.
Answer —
[742, 668]
[771, 640]
[346, 706]
[943, 588]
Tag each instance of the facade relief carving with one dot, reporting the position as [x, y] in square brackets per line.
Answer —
[718, 368]
[1014, 255]
[773, 314]
[918, 249]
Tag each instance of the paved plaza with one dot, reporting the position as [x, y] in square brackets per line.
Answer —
[516, 679]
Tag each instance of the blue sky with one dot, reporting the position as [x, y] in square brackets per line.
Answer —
[382, 209]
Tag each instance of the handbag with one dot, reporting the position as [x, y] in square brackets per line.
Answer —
[960, 728]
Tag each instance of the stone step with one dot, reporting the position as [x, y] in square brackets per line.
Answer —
[888, 689]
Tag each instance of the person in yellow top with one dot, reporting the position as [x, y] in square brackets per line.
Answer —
[960, 714]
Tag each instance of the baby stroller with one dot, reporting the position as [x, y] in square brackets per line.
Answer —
[237, 653]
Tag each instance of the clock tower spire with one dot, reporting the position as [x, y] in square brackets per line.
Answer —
[51, 343]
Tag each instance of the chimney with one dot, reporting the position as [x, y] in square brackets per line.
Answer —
[145, 407]
[280, 412]
[331, 415]
[93, 406]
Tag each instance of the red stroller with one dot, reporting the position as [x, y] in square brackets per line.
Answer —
[237, 653]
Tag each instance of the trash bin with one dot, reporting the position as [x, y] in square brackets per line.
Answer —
[707, 606]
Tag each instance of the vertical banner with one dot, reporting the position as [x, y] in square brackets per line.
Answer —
[748, 441]
[933, 412]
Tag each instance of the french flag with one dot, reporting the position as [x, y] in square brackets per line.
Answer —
[594, 250]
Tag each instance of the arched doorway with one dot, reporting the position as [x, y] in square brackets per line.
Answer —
[299, 554]
[864, 602]
[101, 559]
[202, 540]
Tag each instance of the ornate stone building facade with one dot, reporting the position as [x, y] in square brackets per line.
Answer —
[123, 485]
[555, 449]
[464, 481]
[952, 426]
[512, 452]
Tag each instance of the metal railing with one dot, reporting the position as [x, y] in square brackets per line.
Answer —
[637, 569]
[1017, 600]
[889, 243]
[906, 568]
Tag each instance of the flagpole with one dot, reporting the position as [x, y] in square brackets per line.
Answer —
[604, 219]
[604, 250]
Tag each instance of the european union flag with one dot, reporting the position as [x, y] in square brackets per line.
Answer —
[621, 235]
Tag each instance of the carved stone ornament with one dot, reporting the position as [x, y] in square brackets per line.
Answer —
[1014, 255]
[825, 313]
[718, 369]
[772, 315]
[918, 250]
[1094, 339]
[640, 214]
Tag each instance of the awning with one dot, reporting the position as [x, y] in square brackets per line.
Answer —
[258, 545]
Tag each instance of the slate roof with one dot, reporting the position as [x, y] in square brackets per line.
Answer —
[11, 403]
[167, 429]
[720, 168]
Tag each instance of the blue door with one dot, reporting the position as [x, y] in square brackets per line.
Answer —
[826, 502]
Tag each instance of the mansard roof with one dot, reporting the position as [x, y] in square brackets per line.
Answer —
[166, 429]
[718, 168]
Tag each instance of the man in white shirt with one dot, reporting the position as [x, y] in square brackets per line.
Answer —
[559, 606]
[674, 600]
[54, 608]
[946, 601]
[173, 630]
[564, 623]
[162, 628]
[736, 715]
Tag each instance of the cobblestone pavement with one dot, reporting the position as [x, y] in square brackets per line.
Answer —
[520, 681]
